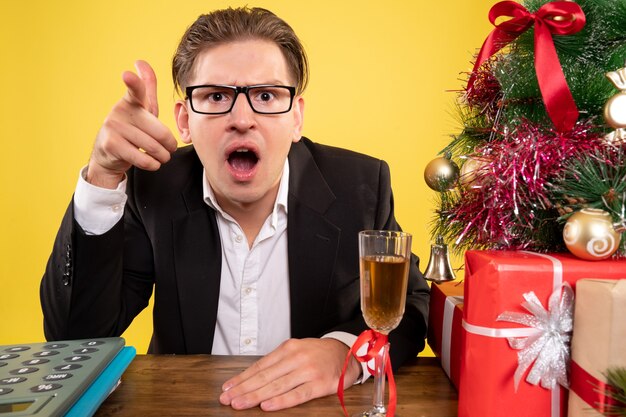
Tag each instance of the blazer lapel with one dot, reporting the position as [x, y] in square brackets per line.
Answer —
[312, 242]
[198, 262]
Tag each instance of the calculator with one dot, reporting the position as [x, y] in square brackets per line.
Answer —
[61, 378]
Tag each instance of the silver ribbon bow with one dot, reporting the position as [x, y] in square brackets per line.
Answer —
[548, 350]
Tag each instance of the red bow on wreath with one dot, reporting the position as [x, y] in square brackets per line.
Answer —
[558, 18]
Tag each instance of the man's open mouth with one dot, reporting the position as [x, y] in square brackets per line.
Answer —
[243, 160]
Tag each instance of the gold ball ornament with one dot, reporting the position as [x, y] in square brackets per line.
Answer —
[441, 174]
[589, 234]
[469, 172]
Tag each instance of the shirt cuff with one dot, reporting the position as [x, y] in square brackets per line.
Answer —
[348, 339]
[98, 209]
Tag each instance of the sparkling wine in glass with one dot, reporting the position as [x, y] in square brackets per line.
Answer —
[384, 259]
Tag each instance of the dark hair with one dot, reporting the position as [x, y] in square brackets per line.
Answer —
[242, 23]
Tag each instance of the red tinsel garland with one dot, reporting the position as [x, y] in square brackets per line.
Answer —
[501, 208]
[485, 98]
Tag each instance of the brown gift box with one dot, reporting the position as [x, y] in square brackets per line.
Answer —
[598, 340]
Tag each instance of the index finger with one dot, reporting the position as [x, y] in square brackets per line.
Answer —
[141, 87]
[147, 75]
[135, 89]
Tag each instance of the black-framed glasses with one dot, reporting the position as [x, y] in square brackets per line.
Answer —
[220, 99]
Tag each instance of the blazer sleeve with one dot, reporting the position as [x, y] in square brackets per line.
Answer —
[408, 339]
[86, 291]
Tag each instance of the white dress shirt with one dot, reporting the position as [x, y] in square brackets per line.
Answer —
[253, 314]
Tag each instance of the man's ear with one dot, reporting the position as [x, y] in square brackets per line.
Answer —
[298, 114]
[182, 121]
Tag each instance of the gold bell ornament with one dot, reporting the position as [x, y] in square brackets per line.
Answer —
[439, 268]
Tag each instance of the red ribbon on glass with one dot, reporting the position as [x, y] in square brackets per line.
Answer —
[558, 18]
[591, 390]
[375, 341]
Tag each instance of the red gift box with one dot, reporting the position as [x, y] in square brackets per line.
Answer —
[495, 283]
[444, 326]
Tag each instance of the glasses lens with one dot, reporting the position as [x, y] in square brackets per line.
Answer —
[270, 99]
[212, 99]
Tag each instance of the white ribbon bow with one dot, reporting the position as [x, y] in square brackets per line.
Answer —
[547, 349]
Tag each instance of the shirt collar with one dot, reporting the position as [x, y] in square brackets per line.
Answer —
[279, 205]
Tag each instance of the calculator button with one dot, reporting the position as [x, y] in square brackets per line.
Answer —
[44, 353]
[45, 387]
[86, 350]
[5, 390]
[12, 380]
[35, 362]
[22, 371]
[68, 367]
[6, 356]
[55, 346]
[17, 349]
[77, 358]
[56, 377]
[93, 343]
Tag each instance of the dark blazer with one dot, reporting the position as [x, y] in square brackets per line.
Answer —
[168, 240]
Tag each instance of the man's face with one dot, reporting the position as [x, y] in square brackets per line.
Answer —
[243, 152]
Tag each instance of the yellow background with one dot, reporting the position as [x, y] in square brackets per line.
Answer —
[381, 79]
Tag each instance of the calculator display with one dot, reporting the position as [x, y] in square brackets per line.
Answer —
[14, 407]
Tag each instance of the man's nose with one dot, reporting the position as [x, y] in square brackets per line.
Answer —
[242, 115]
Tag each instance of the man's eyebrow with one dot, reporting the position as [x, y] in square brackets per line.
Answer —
[237, 84]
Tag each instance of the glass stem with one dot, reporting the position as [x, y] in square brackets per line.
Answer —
[379, 378]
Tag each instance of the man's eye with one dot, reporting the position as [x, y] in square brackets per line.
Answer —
[216, 97]
[212, 96]
[265, 95]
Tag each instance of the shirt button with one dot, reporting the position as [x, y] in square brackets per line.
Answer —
[247, 341]
[248, 290]
[238, 238]
[115, 208]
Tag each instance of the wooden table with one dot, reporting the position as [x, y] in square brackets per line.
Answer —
[189, 386]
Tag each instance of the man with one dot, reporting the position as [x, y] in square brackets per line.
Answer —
[248, 237]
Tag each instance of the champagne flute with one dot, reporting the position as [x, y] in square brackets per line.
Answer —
[384, 259]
